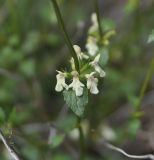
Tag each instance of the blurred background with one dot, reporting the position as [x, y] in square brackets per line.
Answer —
[35, 117]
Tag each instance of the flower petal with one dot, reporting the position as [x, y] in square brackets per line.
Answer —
[79, 91]
[58, 87]
[99, 70]
[80, 54]
[92, 83]
[60, 82]
[76, 85]
[96, 60]
[94, 90]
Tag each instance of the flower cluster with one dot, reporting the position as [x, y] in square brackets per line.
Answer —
[90, 69]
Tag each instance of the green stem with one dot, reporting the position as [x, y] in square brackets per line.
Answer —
[66, 36]
[145, 83]
[96, 4]
[81, 140]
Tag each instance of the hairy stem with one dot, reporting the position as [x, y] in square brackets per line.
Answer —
[81, 140]
[66, 36]
[96, 4]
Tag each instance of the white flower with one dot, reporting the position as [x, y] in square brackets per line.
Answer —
[96, 66]
[92, 83]
[91, 46]
[94, 21]
[76, 85]
[80, 54]
[60, 82]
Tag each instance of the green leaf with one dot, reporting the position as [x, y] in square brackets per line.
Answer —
[57, 140]
[151, 37]
[77, 104]
[133, 126]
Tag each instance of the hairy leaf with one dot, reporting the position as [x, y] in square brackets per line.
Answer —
[77, 104]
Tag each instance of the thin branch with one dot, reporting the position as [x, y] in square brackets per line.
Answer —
[145, 83]
[148, 156]
[9, 149]
[96, 4]
[66, 36]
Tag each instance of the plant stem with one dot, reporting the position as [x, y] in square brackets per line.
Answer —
[81, 140]
[96, 4]
[66, 36]
[145, 84]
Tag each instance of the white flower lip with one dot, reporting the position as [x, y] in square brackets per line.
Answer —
[96, 66]
[92, 83]
[91, 46]
[60, 82]
[79, 53]
[76, 85]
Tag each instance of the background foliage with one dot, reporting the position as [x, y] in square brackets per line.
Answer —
[32, 48]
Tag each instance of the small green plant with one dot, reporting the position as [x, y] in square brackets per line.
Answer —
[86, 67]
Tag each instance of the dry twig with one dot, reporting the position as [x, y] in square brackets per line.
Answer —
[148, 156]
[13, 155]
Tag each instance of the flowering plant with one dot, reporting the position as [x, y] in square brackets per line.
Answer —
[79, 82]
